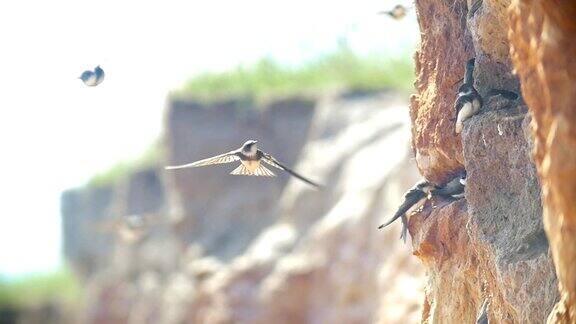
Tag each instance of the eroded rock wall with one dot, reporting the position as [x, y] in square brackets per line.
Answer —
[491, 245]
[542, 34]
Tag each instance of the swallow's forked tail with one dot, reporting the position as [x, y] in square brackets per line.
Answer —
[261, 171]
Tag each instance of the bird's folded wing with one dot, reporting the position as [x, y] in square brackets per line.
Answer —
[460, 101]
[218, 159]
[273, 162]
[410, 199]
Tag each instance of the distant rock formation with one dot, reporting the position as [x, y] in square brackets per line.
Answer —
[286, 252]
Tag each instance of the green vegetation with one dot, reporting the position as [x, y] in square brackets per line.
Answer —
[149, 158]
[60, 286]
[268, 79]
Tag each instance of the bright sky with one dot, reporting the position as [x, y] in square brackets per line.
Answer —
[55, 132]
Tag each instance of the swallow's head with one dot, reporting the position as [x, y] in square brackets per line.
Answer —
[250, 147]
[470, 63]
[465, 89]
[463, 176]
[425, 186]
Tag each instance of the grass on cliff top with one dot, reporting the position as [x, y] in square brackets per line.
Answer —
[267, 79]
[59, 286]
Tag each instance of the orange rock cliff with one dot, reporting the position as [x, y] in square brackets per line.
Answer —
[494, 246]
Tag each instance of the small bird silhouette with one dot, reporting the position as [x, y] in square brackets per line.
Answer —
[398, 12]
[423, 190]
[129, 229]
[92, 78]
[250, 158]
[468, 101]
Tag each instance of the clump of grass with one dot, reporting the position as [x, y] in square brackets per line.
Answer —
[60, 286]
[268, 79]
[121, 170]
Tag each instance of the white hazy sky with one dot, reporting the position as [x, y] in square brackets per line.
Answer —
[55, 133]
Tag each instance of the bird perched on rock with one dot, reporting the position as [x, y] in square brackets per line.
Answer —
[423, 190]
[251, 159]
[92, 78]
[398, 12]
[468, 102]
[453, 189]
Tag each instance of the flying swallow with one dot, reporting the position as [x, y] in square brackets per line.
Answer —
[129, 228]
[92, 78]
[398, 12]
[423, 190]
[468, 102]
[250, 158]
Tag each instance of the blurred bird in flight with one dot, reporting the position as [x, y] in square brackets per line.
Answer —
[250, 158]
[129, 228]
[398, 12]
[92, 78]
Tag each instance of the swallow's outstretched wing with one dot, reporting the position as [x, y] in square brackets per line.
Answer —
[411, 198]
[218, 159]
[273, 162]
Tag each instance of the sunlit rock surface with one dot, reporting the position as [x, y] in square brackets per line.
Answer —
[544, 51]
[491, 245]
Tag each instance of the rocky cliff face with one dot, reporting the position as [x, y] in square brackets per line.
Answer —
[492, 245]
[286, 253]
[543, 51]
